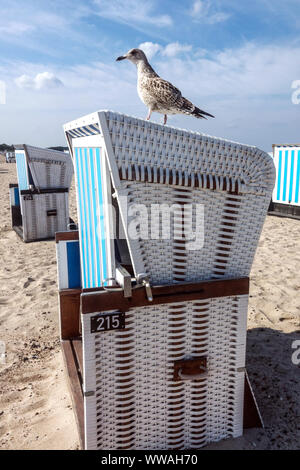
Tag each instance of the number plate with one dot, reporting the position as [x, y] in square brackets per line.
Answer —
[107, 321]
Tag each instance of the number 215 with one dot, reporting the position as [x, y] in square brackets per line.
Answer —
[109, 322]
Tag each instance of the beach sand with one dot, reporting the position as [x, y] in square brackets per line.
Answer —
[35, 405]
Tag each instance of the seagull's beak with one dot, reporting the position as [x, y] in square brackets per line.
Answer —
[122, 57]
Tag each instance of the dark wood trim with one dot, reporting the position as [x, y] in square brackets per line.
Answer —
[77, 346]
[252, 416]
[69, 303]
[48, 239]
[25, 192]
[69, 235]
[103, 300]
[284, 210]
[19, 230]
[285, 145]
[74, 382]
[66, 292]
[16, 217]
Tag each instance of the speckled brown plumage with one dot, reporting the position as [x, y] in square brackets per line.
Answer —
[158, 94]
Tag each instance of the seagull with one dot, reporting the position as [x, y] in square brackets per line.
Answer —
[156, 93]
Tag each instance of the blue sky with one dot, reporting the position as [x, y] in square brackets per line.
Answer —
[235, 59]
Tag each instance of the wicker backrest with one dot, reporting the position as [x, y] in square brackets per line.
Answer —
[150, 164]
[46, 168]
[145, 151]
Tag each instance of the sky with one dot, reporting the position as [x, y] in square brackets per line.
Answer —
[237, 60]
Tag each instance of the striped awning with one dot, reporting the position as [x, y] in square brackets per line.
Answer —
[85, 131]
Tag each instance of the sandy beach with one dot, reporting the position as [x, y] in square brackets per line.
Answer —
[35, 406]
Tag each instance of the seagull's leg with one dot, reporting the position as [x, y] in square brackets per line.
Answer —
[149, 114]
[165, 119]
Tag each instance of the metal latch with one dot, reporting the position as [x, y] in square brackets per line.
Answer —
[123, 278]
[144, 280]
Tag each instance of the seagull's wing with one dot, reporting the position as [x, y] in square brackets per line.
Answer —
[169, 97]
[164, 93]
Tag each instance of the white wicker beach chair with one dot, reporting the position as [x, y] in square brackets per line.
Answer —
[44, 178]
[286, 194]
[173, 376]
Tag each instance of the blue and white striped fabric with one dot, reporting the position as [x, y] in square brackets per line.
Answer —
[22, 170]
[85, 131]
[14, 196]
[68, 264]
[92, 233]
[287, 186]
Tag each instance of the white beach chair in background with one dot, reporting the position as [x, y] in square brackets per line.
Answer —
[286, 193]
[10, 157]
[44, 179]
[163, 357]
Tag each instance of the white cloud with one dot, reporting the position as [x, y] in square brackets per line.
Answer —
[46, 80]
[131, 12]
[15, 28]
[217, 18]
[250, 71]
[150, 49]
[24, 81]
[42, 81]
[203, 11]
[175, 48]
[170, 50]
[198, 7]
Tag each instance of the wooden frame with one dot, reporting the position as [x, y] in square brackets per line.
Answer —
[69, 309]
[103, 299]
[16, 216]
[43, 191]
[72, 354]
[62, 236]
[284, 210]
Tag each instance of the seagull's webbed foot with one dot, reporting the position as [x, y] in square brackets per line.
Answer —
[165, 119]
[149, 115]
